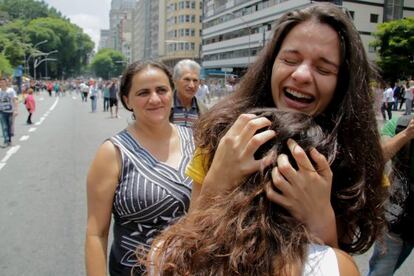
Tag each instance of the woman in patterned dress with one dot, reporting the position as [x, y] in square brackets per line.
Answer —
[138, 175]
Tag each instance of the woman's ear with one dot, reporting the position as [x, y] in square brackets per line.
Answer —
[126, 101]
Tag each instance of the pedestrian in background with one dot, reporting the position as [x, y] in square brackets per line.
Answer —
[138, 174]
[186, 107]
[30, 104]
[8, 110]
[93, 95]
[105, 92]
[84, 88]
[113, 98]
[203, 93]
[387, 102]
[408, 95]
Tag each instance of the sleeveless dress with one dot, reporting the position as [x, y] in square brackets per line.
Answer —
[150, 196]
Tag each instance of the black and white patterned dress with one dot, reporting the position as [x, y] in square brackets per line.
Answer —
[149, 197]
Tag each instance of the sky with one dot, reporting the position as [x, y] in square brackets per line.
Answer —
[90, 15]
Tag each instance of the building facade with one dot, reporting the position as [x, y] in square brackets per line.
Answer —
[104, 39]
[234, 31]
[120, 26]
[167, 30]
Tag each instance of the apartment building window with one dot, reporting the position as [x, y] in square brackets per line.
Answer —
[193, 5]
[187, 18]
[373, 18]
[187, 4]
[193, 19]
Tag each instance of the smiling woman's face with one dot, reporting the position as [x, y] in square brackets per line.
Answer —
[305, 72]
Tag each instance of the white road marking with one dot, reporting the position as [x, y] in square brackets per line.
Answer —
[24, 138]
[15, 148]
[9, 153]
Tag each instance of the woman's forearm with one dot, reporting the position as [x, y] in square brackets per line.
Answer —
[95, 255]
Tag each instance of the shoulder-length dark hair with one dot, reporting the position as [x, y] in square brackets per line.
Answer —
[349, 117]
[243, 233]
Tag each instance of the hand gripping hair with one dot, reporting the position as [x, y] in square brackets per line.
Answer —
[243, 233]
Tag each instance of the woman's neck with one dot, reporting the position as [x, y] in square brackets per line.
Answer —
[152, 132]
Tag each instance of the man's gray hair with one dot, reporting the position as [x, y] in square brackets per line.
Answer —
[185, 64]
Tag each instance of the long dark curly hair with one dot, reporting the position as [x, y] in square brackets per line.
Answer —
[357, 194]
[243, 233]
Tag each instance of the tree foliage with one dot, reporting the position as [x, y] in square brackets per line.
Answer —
[5, 67]
[27, 9]
[108, 63]
[25, 24]
[394, 41]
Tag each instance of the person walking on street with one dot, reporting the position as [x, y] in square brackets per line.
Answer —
[409, 96]
[113, 99]
[387, 102]
[30, 104]
[84, 88]
[93, 95]
[396, 92]
[8, 110]
[395, 245]
[203, 93]
[105, 92]
[186, 107]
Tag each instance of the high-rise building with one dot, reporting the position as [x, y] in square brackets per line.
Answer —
[120, 26]
[167, 30]
[235, 31]
[104, 39]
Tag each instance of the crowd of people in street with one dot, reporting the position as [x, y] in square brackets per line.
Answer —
[401, 92]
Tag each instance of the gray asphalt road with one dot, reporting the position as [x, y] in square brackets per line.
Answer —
[42, 182]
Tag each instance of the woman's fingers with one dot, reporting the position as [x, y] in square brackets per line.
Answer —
[257, 140]
[250, 128]
[300, 156]
[322, 165]
[240, 123]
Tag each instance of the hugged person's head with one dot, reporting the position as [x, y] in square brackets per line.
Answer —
[244, 233]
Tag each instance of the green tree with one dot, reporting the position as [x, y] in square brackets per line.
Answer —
[108, 63]
[27, 9]
[5, 67]
[394, 41]
[72, 45]
[26, 23]
[13, 42]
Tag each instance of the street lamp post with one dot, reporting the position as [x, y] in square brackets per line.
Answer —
[31, 55]
[37, 63]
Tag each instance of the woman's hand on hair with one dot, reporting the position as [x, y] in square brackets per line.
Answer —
[305, 192]
[234, 158]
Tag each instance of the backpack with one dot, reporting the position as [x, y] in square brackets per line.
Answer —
[400, 205]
